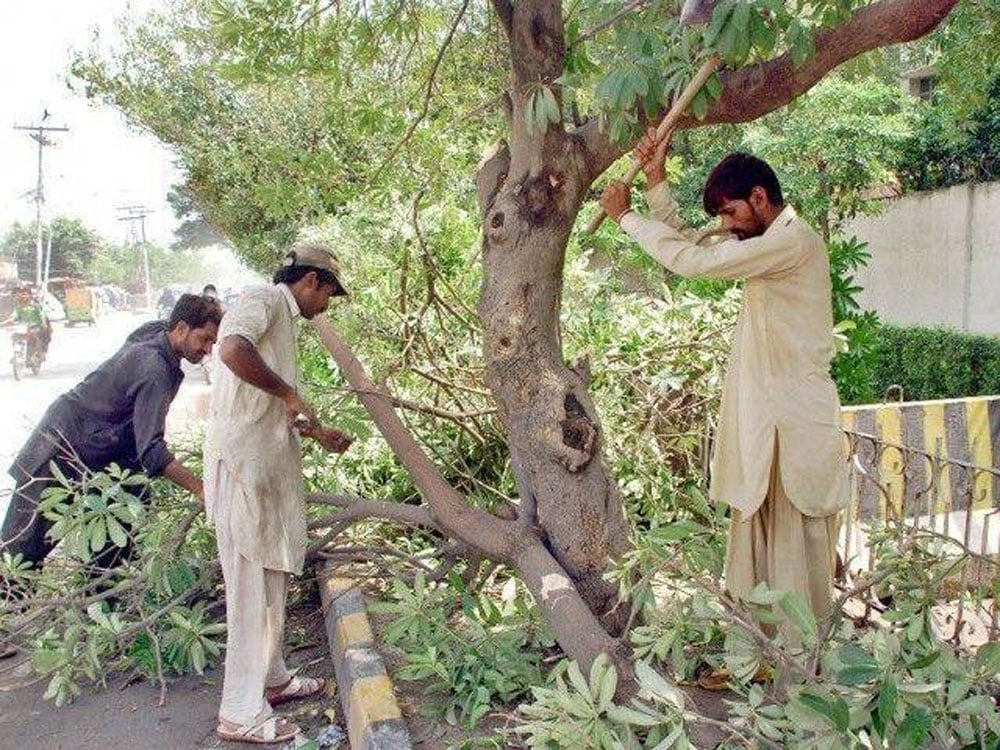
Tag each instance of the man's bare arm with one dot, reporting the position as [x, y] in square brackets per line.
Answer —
[242, 357]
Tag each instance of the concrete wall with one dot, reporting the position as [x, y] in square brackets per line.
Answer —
[935, 259]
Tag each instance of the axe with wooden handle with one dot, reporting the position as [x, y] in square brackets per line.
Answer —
[666, 127]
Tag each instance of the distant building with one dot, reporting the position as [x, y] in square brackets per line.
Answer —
[919, 82]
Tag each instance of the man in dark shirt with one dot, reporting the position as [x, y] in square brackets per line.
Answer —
[117, 414]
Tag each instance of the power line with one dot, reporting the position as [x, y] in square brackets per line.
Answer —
[136, 215]
[38, 133]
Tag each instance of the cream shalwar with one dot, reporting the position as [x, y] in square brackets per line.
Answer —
[779, 437]
[254, 499]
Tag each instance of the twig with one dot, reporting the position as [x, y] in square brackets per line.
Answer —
[428, 92]
[629, 8]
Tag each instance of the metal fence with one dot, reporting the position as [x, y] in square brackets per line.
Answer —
[915, 489]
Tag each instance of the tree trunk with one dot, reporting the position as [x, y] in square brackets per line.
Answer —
[571, 619]
[529, 197]
[554, 433]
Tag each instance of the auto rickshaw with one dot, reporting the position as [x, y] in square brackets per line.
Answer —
[81, 306]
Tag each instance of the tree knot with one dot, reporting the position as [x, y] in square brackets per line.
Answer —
[578, 433]
[539, 195]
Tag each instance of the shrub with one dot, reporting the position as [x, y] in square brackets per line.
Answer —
[930, 363]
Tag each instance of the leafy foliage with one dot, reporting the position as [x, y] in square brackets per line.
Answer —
[941, 155]
[930, 363]
[132, 590]
[894, 684]
[482, 648]
[81, 252]
[857, 330]
[72, 244]
[308, 127]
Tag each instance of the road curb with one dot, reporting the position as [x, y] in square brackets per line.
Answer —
[374, 721]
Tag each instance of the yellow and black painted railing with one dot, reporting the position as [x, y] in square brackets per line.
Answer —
[934, 466]
[932, 456]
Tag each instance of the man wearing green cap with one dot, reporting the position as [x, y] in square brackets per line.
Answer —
[254, 495]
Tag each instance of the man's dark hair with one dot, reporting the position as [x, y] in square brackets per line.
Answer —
[291, 274]
[735, 177]
[196, 311]
[209, 288]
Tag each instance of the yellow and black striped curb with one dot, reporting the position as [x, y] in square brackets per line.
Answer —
[965, 430]
[374, 721]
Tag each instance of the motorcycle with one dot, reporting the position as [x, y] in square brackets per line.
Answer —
[27, 354]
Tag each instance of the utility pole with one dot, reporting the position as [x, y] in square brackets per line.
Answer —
[136, 216]
[38, 133]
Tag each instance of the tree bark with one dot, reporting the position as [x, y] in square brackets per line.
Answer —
[571, 619]
[529, 196]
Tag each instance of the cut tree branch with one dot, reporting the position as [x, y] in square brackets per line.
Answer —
[756, 90]
[576, 628]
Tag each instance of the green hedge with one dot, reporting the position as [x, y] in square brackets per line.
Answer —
[932, 363]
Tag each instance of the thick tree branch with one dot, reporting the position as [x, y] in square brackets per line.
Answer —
[756, 90]
[476, 528]
[577, 629]
[358, 508]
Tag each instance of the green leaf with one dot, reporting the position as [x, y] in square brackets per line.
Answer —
[742, 31]
[835, 709]
[974, 705]
[858, 674]
[579, 682]
[763, 35]
[656, 686]
[699, 105]
[887, 702]
[550, 107]
[988, 657]
[852, 655]
[924, 661]
[198, 656]
[919, 688]
[117, 532]
[913, 730]
[606, 678]
[714, 85]
[763, 595]
[625, 715]
[720, 18]
[915, 628]
[794, 605]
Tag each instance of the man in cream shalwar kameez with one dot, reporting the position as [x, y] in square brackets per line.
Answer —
[254, 488]
[779, 451]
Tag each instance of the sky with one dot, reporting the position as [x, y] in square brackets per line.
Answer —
[100, 163]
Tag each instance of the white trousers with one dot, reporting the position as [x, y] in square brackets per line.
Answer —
[255, 615]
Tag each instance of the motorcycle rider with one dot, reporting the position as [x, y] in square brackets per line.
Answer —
[30, 314]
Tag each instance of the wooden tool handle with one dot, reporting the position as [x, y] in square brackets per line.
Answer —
[667, 124]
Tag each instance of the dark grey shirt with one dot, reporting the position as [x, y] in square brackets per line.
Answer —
[116, 414]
